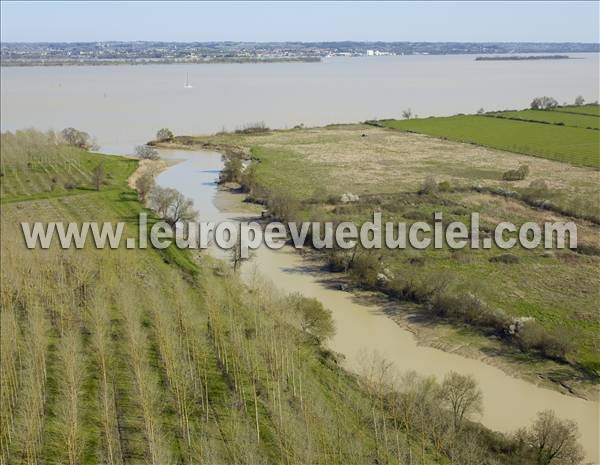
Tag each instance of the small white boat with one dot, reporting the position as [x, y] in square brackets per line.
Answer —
[187, 81]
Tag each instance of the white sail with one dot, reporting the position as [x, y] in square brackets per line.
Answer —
[187, 81]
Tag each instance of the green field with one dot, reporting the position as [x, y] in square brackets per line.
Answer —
[576, 146]
[44, 169]
[591, 109]
[554, 117]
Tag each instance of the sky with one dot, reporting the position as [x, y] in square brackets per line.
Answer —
[72, 21]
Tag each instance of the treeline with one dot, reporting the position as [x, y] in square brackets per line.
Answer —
[30, 148]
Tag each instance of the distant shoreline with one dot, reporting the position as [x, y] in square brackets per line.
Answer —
[157, 52]
[524, 58]
[237, 60]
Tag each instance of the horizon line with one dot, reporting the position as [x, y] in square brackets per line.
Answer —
[296, 42]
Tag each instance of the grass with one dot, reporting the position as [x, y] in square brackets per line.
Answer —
[573, 145]
[591, 109]
[58, 178]
[577, 120]
[273, 172]
[314, 167]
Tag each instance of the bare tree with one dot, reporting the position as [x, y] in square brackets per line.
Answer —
[236, 255]
[553, 440]
[161, 199]
[429, 186]
[463, 397]
[182, 209]
[144, 184]
[98, 175]
[579, 100]
[146, 152]
[407, 114]
[171, 205]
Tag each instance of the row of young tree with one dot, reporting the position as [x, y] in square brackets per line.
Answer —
[120, 355]
[30, 148]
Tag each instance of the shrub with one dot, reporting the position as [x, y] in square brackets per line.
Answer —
[407, 287]
[506, 258]
[516, 175]
[461, 305]
[232, 168]
[418, 260]
[537, 194]
[314, 318]
[445, 186]
[146, 152]
[365, 267]
[588, 249]
[253, 128]
[417, 215]
[538, 185]
[467, 307]
[248, 179]
[164, 134]
[429, 186]
[283, 206]
[338, 260]
[532, 335]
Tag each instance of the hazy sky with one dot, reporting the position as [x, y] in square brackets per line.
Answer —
[300, 21]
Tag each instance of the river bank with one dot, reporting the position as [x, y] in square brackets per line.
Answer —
[428, 332]
[442, 333]
[363, 323]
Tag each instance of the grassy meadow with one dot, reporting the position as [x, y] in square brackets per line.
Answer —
[34, 166]
[572, 143]
[300, 174]
[590, 109]
[576, 120]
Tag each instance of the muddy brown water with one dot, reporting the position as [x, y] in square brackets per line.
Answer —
[509, 403]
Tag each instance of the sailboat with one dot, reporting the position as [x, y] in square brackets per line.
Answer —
[187, 81]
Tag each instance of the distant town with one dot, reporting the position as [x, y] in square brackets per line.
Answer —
[100, 53]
